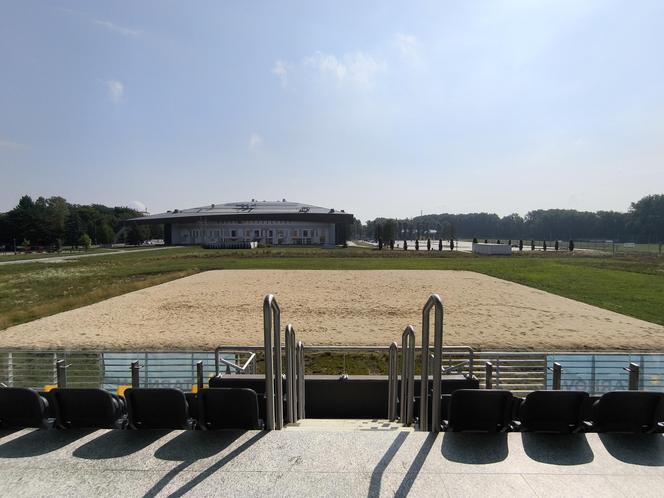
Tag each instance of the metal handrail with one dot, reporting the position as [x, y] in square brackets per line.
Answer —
[238, 368]
[274, 412]
[407, 375]
[300, 380]
[392, 384]
[291, 369]
[434, 302]
[456, 366]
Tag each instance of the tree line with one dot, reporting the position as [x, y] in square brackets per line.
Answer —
[53, 222]
[643, 223]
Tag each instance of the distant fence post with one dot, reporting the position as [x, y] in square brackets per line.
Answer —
[135, 375]
[199, 375]
[488, 374]
[557, 375]
[634, 370]
[61, 374]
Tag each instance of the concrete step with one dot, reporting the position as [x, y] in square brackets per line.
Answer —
[346, 425]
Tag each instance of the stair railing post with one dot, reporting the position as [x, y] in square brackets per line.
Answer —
[434, 302]
[300, 380]
[392, 384]
[291, 388]
[274, 411]
[407, 375]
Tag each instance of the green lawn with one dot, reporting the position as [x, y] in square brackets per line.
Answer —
[630, 285]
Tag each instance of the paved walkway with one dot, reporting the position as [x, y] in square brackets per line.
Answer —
[60, 259]
[303, 463]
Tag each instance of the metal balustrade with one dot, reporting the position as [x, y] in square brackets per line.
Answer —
[598, 373]
[520, 372]
[249, 365]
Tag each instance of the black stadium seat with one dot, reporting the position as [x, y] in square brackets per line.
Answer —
[479, 410]
[627, 411]
[552, 411]
[89, 408]
[228, 408]
[22, 407]
[161, 408]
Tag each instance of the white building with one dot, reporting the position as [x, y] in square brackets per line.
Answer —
[266, 222]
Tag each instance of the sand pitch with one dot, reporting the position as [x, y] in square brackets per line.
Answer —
[365, 307]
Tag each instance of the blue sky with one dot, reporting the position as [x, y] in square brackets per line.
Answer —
[379, 109]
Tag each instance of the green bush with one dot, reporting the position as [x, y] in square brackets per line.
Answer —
[85, 241]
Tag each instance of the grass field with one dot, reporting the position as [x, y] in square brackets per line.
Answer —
[630, 285]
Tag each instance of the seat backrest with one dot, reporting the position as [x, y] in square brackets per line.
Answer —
[626, 411]
[228, 408]
[552, 411]
[157, 408]
[88, 408]
[22, 407]
[479, 410]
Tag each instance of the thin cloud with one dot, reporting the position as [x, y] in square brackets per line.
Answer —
[357, 68]
[281, 71]
[115, 90]
[102, 22]
[117, 29]
[408, 47]
[255, 141]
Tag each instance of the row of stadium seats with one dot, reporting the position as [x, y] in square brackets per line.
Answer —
[474, 410]
[162, 408]
[237, 408]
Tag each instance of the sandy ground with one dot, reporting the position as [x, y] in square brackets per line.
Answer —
[336, 308]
